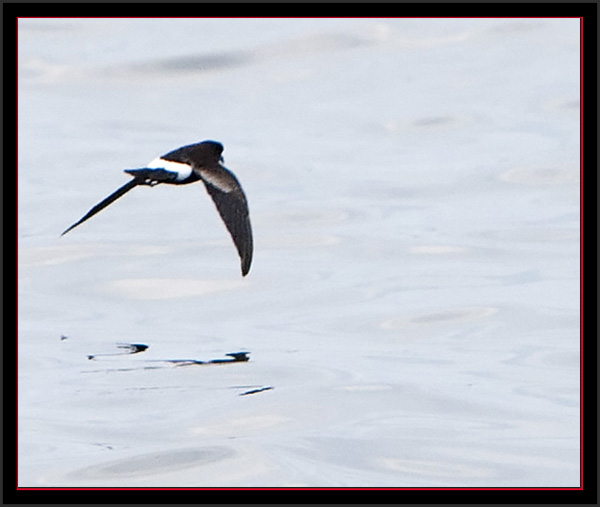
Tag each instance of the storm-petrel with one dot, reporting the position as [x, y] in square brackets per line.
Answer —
[201, 161]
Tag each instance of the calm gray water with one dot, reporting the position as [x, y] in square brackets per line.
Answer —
[414, 298]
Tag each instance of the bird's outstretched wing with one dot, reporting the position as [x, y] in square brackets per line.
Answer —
[228, 196]
[144, 176]
[111, 198]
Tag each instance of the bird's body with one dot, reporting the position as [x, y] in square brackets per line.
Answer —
[188, 164]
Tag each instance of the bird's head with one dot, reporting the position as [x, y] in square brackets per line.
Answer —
[210, 151]
[206, 153]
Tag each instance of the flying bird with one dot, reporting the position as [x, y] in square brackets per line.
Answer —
[200, 161]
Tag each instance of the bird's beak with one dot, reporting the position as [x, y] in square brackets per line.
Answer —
[222, 159]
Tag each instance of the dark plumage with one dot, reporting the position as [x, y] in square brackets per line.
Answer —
[201, 161]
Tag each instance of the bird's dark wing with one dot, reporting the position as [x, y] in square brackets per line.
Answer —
[144, 176]
[111, 198]
[228, 196]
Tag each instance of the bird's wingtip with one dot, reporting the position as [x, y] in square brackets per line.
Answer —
[67, 230]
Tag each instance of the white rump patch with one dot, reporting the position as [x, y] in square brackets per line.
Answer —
[183, 170]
